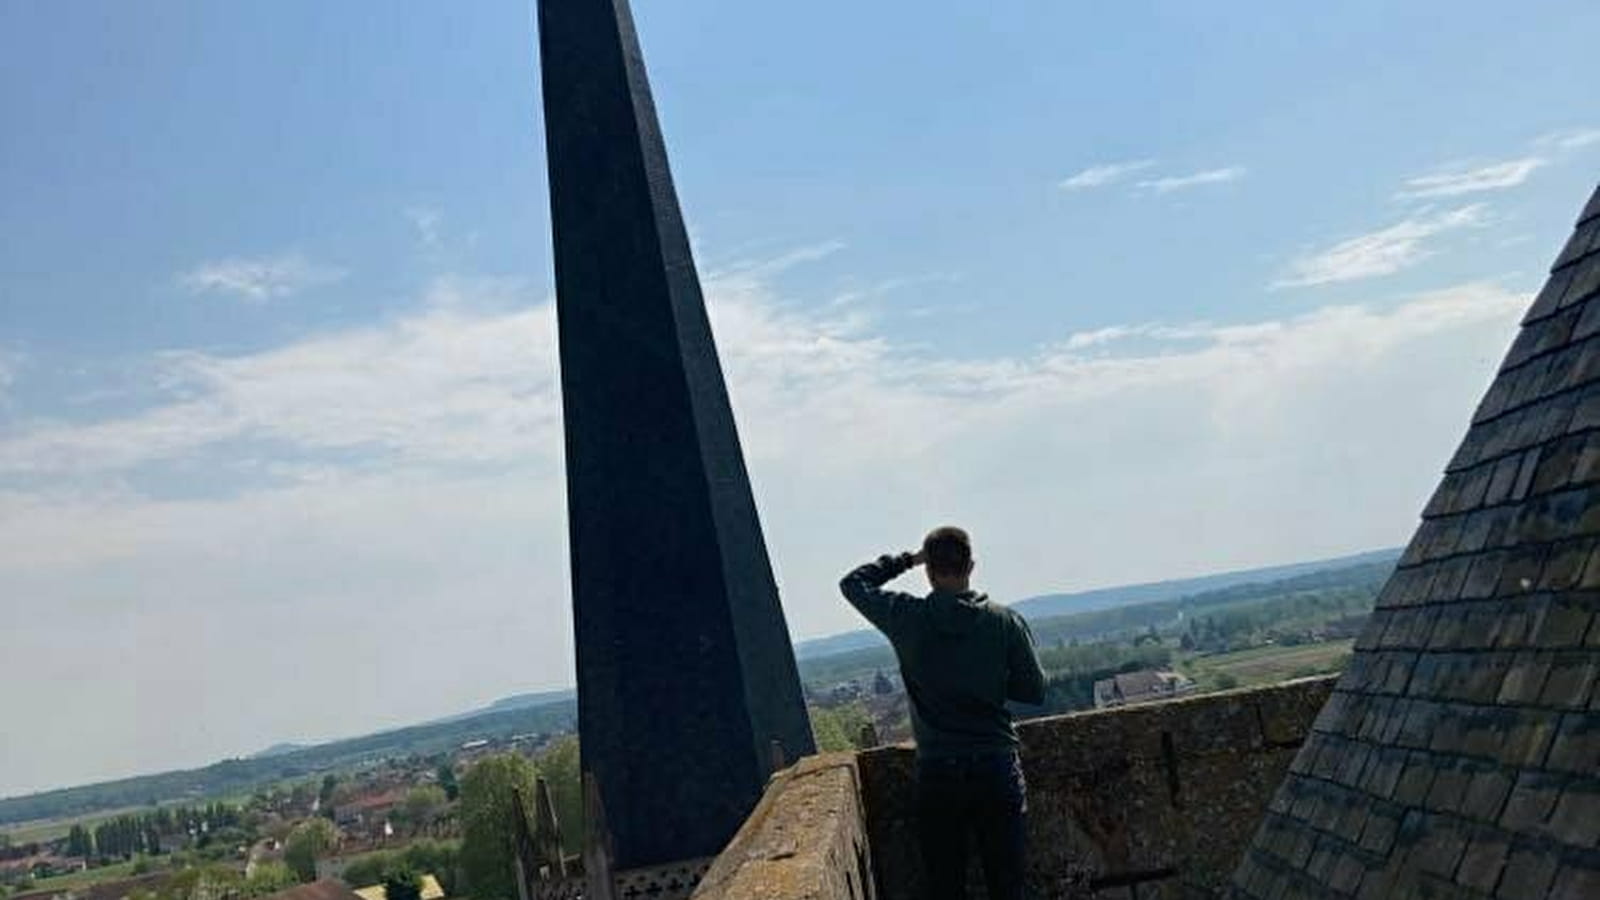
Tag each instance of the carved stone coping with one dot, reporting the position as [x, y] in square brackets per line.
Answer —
[807, 838]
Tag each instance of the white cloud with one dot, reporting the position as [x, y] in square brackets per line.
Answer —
[258, 279]
[1172, 183]
[411, 484]
[1104, 174]
[1460, 180]
[1569, 139]
[1380, 252]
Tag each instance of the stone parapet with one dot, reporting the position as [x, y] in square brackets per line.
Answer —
[1147, 801]
[805, 840]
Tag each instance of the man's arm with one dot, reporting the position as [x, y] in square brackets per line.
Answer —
[863, 587]
[1024, 678]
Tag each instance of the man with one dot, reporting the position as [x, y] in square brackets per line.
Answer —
[962, 657]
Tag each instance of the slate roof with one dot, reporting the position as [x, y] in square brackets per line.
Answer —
[1459, 755]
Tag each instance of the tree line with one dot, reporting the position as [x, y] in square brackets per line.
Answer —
[146, 833]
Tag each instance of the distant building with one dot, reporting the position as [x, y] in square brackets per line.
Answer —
[368, 811]
[1139, 687]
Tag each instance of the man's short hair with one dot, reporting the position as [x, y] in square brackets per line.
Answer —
[948, 551]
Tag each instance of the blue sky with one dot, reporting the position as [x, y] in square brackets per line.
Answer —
[1135, 290]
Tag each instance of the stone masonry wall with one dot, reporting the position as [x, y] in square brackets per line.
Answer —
[1134, 803]
[1460, 753]
[806, 839]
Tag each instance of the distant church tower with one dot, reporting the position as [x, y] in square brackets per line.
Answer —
[686, 676]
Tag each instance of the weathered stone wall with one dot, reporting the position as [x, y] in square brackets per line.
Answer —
[1460, 753]
[1134, 803]
[806, 839]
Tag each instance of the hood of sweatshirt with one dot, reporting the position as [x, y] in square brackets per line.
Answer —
[956, 612]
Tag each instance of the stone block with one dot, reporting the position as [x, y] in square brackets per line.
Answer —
[807, 837]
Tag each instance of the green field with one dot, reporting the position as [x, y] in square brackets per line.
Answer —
[1264, 665]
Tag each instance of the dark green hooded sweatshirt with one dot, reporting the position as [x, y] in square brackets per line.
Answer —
[962, 657]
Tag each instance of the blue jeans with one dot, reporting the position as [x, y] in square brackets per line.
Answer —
[961, 798]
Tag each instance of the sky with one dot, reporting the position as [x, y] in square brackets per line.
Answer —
[1133, 291]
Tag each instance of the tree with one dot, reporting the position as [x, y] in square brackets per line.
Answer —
[447, 780]
[441, 859]
[269, 878]
[487, 858]
[370, 868]
[79, 842]
[330, 783]
[422, 804]
[560, 767]
[207, 882]
[403, 884]
[828, 731]
[308, 841]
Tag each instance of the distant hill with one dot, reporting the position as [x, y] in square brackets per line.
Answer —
[1157, 591]
[550, 711]
[234, 776]
[1362, 578]
[528, 701]
[278, 750]
[1051, 605]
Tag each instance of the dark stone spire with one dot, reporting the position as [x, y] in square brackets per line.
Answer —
[685, 671]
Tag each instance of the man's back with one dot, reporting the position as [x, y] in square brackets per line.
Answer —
[962, 657]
